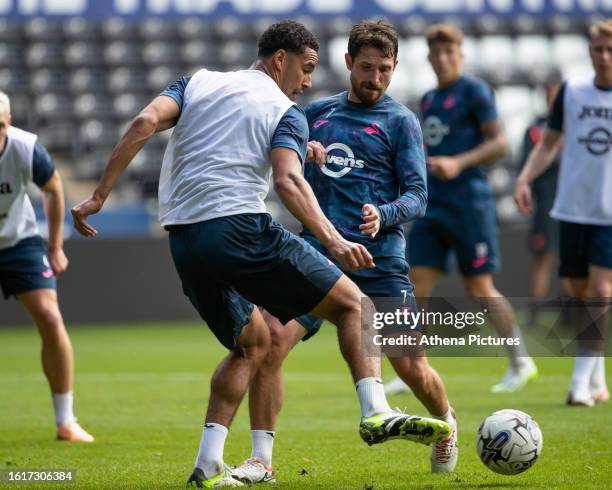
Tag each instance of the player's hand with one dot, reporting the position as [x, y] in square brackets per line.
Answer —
[80, 213]
[445, 168]
[316, 153]
[371, 218]
[351, 255]
[522, 196]
[58, 260]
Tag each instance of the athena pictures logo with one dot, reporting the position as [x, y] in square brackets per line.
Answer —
[434, 131]
[598, 141]
[340, 156]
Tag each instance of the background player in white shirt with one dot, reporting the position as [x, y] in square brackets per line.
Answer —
[27, 268]
[582, 114]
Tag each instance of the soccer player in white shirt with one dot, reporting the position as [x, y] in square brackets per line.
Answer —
[28, 269]
[231, 132]
[582, 114]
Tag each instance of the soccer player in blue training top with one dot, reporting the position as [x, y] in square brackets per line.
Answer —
[231, 130]
[462, 133]
[27, 268]
[371, 182]
[582, 118]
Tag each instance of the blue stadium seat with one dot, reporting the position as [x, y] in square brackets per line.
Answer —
[127, 79]
[10, 31]
[80, 29]
[41, 54]
[195, 28]
[119, 29]
[161, 53]
[122, 53]
[83, 53]
[83, 80]
[11, 54]
[43, 29]
[160, 77]
[47, 80]
[53, 106]
[93, 105]
[200, 53]
[157, 29]
[128, 105]
[98, 133]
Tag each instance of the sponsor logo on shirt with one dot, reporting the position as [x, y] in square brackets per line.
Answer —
[434, 131]
[340, 155]
[590, 111]
[597, 142]
[5, 188]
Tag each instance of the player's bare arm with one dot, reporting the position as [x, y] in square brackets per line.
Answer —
[53, 192]
[298, 197]
[540, 158]
[494, 147]
[161, 114]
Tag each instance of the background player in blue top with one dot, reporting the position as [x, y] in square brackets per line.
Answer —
[462, 132]
[371, 180]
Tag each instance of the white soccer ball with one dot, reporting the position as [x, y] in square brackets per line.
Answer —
[509, 442]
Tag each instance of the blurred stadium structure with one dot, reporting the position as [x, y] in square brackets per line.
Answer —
[77, 80]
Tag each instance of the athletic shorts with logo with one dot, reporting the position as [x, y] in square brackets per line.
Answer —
[389, 279]
[583, 245]
[469, 230]
[228, 264]
[25, 267]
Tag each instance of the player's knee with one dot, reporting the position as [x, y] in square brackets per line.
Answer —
[478, 289]
[49, 319]
[600, 289]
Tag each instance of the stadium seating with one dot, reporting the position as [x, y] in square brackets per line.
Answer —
[78, 82]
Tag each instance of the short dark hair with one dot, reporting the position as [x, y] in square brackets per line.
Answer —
[379, 34]
[288, 35]
[443, 33]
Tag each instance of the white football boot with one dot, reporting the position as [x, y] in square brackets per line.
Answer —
[254, 471]
[444, 453]
[517, 378]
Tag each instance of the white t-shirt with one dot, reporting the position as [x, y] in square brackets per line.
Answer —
[217, 160]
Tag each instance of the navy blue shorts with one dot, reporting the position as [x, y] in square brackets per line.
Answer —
[25, 267]
[228, 264]
[470, 231]
[389, 279]
[584, 245]
[544, 233]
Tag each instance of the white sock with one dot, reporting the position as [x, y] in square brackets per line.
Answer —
[447, 417]
[598, 375]
[62, 404]
[263, 442]
[517, 353]
[372, 399]
[210, 455]
[584, 364]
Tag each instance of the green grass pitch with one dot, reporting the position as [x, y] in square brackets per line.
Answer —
[142, 391]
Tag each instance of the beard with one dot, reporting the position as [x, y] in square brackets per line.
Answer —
[366, 93]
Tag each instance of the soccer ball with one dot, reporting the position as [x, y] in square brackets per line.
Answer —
[509, 442]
